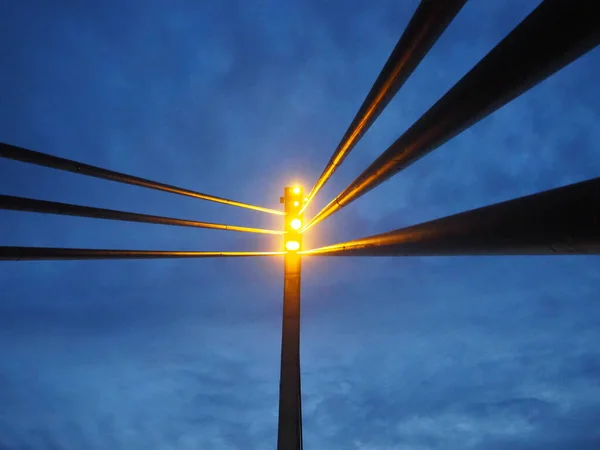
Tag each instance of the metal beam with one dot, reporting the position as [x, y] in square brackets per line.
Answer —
[556, 33]
[562, 221]
[289, 434]
[42, 159]
[429, 21]
[46, 207]
[52, 253]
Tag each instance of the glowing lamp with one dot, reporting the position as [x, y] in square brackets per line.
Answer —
[296, 190]
[296, 203]
[296, 224]
[292, 246]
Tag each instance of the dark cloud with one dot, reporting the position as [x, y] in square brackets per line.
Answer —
[238, 99]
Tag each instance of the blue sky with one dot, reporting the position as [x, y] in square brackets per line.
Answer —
[238, 99]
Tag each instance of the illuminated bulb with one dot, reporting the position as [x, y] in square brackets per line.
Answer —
[296, 203]
[292, 246]
[296, 190]
[296, 224]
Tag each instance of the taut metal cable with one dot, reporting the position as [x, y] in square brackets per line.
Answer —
[46, 207]
[556, 33]
[42, 159]
[562, 221]
[53, 253]
[428, 22]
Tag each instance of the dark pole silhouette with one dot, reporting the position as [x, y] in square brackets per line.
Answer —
[289, 434]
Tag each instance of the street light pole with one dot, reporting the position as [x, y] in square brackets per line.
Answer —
[289, 435]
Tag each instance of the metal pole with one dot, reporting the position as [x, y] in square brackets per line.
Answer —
[46, 207]
[555, 34]
[52, 253]
[562, 221]
[427, 24]
[289, 435]
[42, 159]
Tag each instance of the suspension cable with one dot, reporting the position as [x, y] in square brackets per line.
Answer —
[556, 33]
[46, 207]
[427, 24]
[53, 253]
[561, 221]
[42, 159]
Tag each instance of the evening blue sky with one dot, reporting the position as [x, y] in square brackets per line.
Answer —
[238, 99]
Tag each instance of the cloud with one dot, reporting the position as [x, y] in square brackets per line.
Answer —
[452, 363]
[238, 99]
